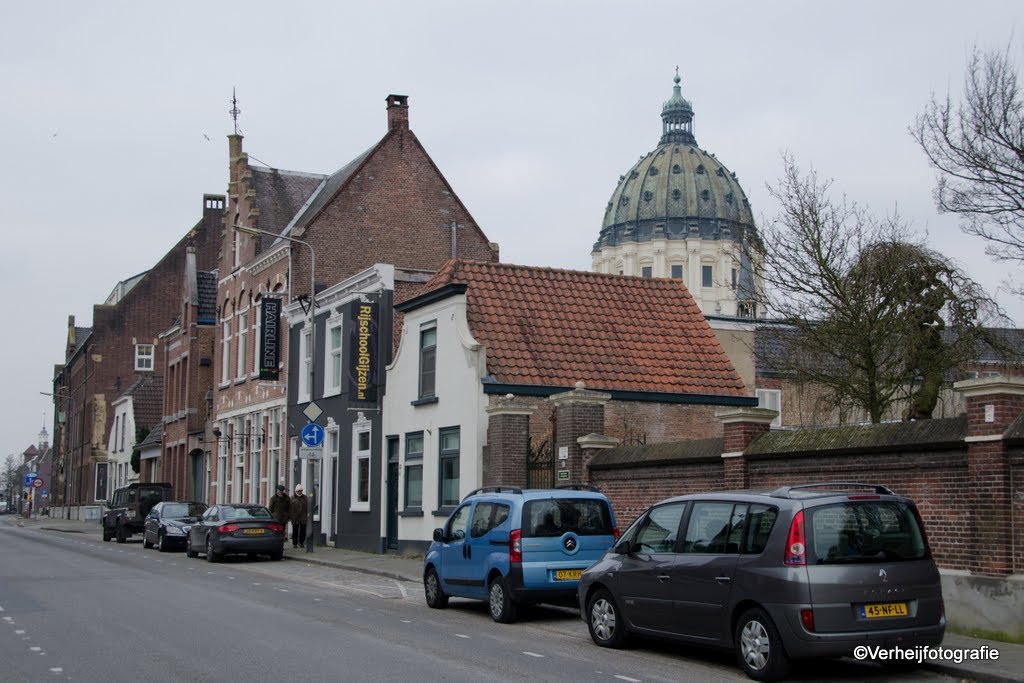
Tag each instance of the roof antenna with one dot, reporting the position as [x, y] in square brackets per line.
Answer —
[234, 111]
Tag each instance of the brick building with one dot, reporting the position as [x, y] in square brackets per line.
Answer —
[120, 347]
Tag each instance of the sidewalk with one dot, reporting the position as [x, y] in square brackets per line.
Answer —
[1009, 667]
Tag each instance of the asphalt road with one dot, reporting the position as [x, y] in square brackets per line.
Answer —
[75, 608]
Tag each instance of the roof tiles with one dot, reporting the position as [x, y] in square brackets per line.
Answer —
[550, 327]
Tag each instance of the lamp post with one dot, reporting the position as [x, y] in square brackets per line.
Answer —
[66, 429]
[312, 352]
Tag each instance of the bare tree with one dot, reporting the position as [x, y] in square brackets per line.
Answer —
[865, 304]
[977, 147]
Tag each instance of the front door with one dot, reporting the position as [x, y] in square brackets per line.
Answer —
[645, 574]
[392, 503]
[455, 563]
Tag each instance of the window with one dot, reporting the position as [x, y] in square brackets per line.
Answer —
[414, 470]
[553, 517]
[143, 356]
[868, 532]
[487, 516]
[225, 353]
[428, 359]
[772, 400]
[735, 278]
[243, 341]
[360, 467]
[101, 481]
[714, 528]
[458, 524]
[274, 447]
[334, 358]
[677, 271]
[222, 461]
[124, 428]
[306, 376]
[448, 470]
[660, 530]
[117, 429]
[707, 276]
[759, 526]
[647, 271]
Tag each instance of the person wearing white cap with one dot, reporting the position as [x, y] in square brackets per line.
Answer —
[297, 515]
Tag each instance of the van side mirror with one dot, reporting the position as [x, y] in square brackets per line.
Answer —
[439, 535]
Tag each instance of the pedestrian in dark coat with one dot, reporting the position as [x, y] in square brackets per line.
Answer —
[298, 515]
[280, 505]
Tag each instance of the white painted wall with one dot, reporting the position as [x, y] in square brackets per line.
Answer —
[461, 402]
[119, 468]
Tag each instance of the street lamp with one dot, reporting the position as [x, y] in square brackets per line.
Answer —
[312, 350]
[63, 393]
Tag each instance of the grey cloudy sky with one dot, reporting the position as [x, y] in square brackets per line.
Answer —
[114, 119]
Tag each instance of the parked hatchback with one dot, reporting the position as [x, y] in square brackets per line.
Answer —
[509, 547]
[232, 529]
[802, 571]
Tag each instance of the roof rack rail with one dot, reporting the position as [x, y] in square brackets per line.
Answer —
[494, 489]
[578, 487]
[784, 492]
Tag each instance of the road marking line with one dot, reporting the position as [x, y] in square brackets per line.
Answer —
[1, 609]
[232, 578]
[57, 670]
[35, 648]
[8, 619]
[359, 609]
[532, 654]
[627, 678]
[283, 590]
[459, 635]
[256, 584]
[20, 633]
[406, 621]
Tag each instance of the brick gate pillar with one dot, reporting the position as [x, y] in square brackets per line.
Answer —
[508, 442]
[993, 403]
[577, 413]
[740, 427]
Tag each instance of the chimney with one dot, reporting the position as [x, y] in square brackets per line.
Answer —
[398, 112]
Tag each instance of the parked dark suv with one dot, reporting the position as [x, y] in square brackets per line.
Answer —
[802, 571]
[128, 508]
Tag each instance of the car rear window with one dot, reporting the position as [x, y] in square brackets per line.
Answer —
[253, 512]
[556, 516]
[183, 509]
[863, 532]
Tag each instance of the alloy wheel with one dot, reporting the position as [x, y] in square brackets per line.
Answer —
[755, 647]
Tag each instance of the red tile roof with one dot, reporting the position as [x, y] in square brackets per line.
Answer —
[550, 327]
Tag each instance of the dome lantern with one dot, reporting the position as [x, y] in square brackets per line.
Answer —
[677, 117]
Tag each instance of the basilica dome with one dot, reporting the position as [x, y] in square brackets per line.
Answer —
[679, 212]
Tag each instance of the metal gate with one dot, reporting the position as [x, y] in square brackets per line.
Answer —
[540, 463]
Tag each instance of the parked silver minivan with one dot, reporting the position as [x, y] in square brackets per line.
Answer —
[802, 571]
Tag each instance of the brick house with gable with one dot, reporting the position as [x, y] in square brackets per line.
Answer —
[136, 412]
[494, 353]
[120, 348]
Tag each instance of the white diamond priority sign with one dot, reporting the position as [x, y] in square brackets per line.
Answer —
[312, 412]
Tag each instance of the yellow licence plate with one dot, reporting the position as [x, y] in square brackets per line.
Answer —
[882, 610]
[568, 574]
[253, 531]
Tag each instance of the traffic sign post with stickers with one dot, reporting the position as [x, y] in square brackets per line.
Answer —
[311, 451]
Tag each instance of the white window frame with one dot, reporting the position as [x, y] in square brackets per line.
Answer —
[771, 399]
[243, 344]
[225, 354]
[359, 456]
[334, 356]
[274, 449]
[144, 359]
[305, 363]
[711, 283]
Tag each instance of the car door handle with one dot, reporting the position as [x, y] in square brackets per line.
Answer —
[664, 578]
[723, 579]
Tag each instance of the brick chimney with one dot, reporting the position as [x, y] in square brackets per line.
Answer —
[398, 112]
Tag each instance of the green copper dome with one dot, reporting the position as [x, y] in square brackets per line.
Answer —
[676, 191]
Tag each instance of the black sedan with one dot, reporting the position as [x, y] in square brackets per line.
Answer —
[167, 524]
[238, 528]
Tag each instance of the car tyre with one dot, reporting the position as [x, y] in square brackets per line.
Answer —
[188, 549]
[145, 541]
[604, 620]
[107, 534]
[210, 555]
[276, 555]
[122, 534]
[503, 608]
[161, 543]
[759, 648]
[433, 591]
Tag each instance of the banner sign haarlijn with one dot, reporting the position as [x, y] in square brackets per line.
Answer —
[270, 338]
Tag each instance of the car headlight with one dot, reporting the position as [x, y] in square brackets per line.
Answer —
[175, 531]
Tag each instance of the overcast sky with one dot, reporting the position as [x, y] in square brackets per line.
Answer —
[114, 120]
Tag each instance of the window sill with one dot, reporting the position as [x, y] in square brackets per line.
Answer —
[444, 511]
[359, 509]
[426, 400]
[411, 512]
[239, 380]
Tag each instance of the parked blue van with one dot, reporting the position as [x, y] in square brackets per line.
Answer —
[511, 547]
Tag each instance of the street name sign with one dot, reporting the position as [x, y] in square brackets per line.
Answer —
[311, 452]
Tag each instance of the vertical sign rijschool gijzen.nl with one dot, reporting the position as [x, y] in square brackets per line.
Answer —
[362, 342]
[270, 338]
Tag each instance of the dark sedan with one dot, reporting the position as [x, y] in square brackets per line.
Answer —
[168, 523]
[232, 529]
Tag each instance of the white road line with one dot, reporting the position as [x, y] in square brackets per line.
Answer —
[232, 578]
[283, 590]
[532, 654]
[401, 589]
[256, 584]
[1, 609]
[406, 621]
[8, 619]
[627, 678]
[35, 648]
[359, 609]
[459, 635]
[19, 633]
[57, 670]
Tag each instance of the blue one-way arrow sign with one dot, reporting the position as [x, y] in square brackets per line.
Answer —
[312, 435]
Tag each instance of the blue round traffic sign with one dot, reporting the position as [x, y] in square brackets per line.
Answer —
[312, 435]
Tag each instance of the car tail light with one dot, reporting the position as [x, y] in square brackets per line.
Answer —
[807, 617]
[796, 550]
[615, 532]
[515, 546]
[276, 528]
[228, 528]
